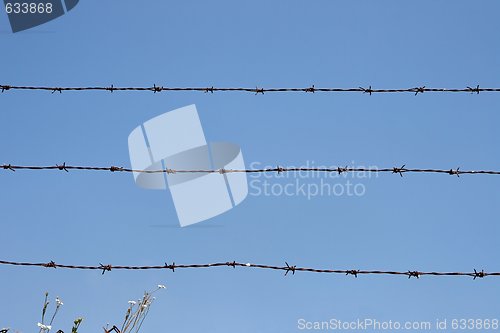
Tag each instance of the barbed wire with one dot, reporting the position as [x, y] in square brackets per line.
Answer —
[256, 90]
[278, 169]
[287, 268]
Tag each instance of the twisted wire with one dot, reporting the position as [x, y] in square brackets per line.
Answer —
[257, 90]
[287, 268]
[278, 169]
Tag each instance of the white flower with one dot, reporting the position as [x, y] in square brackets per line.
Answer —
[132, 302]
[144, 306]
[248, 264]
[59, 302]
[161, 286]
[44, 327]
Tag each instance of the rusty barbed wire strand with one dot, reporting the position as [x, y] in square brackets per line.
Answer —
[287, 268]
[278, 169]
[311, 89]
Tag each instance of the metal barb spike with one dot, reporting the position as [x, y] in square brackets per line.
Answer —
[311, 89]
[62, 167]
[413, 274]
[419, 90]
[50, 264]
[480, 274]
[290, 269]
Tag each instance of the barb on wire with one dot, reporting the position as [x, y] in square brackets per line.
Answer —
[278, 169]
[8, 167]
[50, 264]
[287, 269]
[352, 272]
[413, 274]
[62, 167]
[290, 269]
[105, 268]
[399, 170]
[474, 90]
[172, 267]
[367, 91]
[480, 274]
[158, 88]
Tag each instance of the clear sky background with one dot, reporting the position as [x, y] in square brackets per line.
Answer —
[418, 222]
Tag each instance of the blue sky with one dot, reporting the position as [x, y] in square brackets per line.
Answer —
[419, 222]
